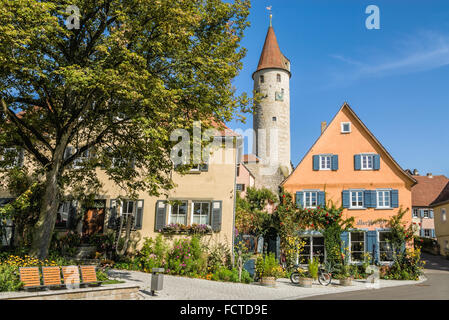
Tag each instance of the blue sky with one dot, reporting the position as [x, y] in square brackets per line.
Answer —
[396, 78]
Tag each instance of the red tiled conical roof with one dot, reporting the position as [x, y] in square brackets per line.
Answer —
[271, 56]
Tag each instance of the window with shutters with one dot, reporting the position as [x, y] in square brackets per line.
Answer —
[357, 243]
[325, 162]
[310, 199]
[356, 199]
[385, 247]
[62, 215]
[367, 161]
[201, 212]
[426, 213]
[427, 233]
[178, 212]
[415, 213]
[383, 199]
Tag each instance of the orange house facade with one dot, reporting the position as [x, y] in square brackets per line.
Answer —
[347, 166]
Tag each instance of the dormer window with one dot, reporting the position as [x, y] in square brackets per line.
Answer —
[345, 127]
[262, 79]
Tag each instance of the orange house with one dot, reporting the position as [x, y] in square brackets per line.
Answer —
[348, 166]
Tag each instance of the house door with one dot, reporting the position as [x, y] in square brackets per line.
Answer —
[93, 221]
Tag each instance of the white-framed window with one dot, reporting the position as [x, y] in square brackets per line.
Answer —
[345, 127]
[178, 212]
[314, 247]
[427, 232]
[62, 215]
[385, 247]
[356, 199]
[325, 162]
[415, 213]
[443, 215]
[367, 161]
[383, 198]
[199, 167]
[310, 199]
[201, 212]
[357, 245]
[426, 213]
[127, 207]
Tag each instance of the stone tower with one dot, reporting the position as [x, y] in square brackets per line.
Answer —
[271, 120]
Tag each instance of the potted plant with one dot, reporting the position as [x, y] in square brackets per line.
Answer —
[267, 269]
[344, 275]
[306, 277]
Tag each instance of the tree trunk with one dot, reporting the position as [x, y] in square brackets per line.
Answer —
[45, 225]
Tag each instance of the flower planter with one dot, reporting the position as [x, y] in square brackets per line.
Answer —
[268, 281]
[346, 282]
[305, 282]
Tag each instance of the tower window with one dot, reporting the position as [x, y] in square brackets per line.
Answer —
[274, 119]
[262, 79]
[278, 77]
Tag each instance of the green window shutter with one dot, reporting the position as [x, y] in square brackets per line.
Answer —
[345, 198]
[357, 162]
[300, 199]
[334, 162]
[112, 214]
[394, 198]
[321, 198]
[316, 163]
[217, 208]
[376, 164]
[139, 215]
[161, 215]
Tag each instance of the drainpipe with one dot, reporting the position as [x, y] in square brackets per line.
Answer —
[237, 144]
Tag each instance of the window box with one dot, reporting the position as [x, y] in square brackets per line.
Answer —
[177, 228]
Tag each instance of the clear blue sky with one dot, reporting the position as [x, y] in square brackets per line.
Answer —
[396, 79]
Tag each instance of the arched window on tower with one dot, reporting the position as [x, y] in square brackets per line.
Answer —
[278, 77]
[262, 79]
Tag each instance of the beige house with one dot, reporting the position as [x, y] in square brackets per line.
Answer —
[204, 196]
[441, 209]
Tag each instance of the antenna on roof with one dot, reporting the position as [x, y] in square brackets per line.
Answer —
[271, 15]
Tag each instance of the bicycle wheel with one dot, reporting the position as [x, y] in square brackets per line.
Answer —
[294, 277]
[324, 278]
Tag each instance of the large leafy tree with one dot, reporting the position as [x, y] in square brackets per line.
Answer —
[117, 86]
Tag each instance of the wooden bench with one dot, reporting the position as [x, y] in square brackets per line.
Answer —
[30, 277]
[52, 277]
[71, 275]
[89, 275]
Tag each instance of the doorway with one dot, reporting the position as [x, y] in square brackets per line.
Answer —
[94, 215]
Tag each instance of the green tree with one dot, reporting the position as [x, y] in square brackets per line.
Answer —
[117, 86]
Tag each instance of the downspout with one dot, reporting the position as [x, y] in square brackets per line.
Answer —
[238, 140]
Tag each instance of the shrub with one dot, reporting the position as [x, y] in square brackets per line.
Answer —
[153, 252]
[9, 278]
[231, 275]
[187, 258]
[219, 255]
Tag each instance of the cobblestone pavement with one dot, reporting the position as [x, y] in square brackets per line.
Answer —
[182, 288]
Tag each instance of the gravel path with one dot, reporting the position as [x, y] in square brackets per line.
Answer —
[182, 288]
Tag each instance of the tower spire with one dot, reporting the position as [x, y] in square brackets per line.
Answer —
[271, 15]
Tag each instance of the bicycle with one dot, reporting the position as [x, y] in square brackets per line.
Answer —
[324, 277]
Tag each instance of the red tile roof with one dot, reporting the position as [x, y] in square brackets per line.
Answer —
[427, 189]
[271, 56]
[443, 196]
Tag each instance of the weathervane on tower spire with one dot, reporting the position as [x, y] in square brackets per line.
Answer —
[271, 15]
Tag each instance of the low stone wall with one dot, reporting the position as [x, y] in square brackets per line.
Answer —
[121, 291]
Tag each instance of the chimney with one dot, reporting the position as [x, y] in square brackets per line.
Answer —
[430, 175]
[415, 172]
[323, 126]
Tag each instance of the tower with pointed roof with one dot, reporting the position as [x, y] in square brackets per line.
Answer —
[271, 119]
